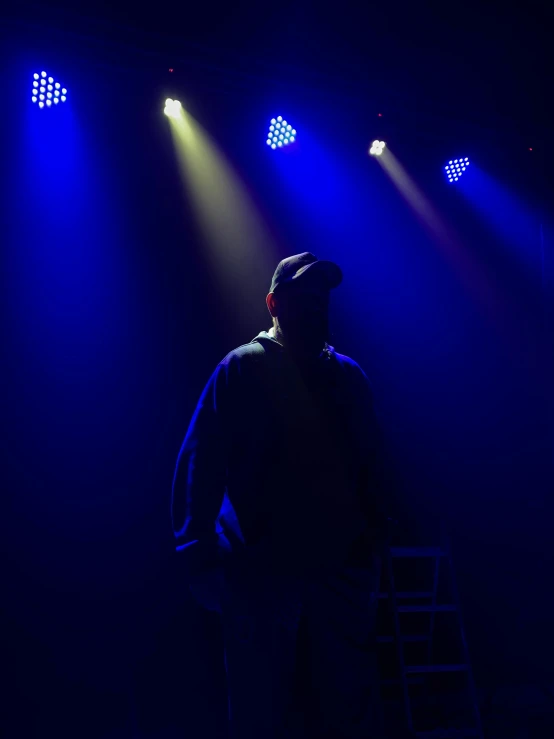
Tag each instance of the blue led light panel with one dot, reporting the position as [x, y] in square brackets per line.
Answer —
[46, 91]
[281, 133]
[455, 169]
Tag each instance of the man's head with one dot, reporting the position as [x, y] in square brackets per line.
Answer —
[299, 302]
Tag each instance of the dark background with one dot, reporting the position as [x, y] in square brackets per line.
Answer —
[112, 322]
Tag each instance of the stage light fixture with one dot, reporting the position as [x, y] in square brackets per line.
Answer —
[281, 133]
[172, 108]
[455, 168]
[47, 84]
[377, 148]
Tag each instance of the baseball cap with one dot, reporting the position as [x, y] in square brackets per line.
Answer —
[306, 268]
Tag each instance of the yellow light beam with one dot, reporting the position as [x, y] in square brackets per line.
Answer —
[240, 248]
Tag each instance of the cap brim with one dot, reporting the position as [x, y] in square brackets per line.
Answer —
[324, 273]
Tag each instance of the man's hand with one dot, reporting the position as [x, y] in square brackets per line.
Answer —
[207, 588]
[206, 585]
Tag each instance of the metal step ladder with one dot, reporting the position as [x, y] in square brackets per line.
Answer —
[428, 603]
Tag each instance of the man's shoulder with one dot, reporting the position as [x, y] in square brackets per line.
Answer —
[244, 354]
[349, 365]
[254, 358]
[254, 351]
[242, 363]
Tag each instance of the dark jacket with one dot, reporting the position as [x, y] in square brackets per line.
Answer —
[282, 460]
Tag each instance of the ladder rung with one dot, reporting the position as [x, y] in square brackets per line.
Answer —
[447, 733]
[417, 552]
[427, 609]
[405, 594]
[411, 669]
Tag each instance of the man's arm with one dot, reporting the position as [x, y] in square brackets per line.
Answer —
[200, 477]
[373, 477]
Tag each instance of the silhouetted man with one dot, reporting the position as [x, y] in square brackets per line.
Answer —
[277, 514]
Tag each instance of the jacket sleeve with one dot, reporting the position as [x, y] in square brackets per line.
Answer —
[373, 478]
[200, 477]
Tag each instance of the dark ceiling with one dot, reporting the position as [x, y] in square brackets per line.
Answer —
[480, 61]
